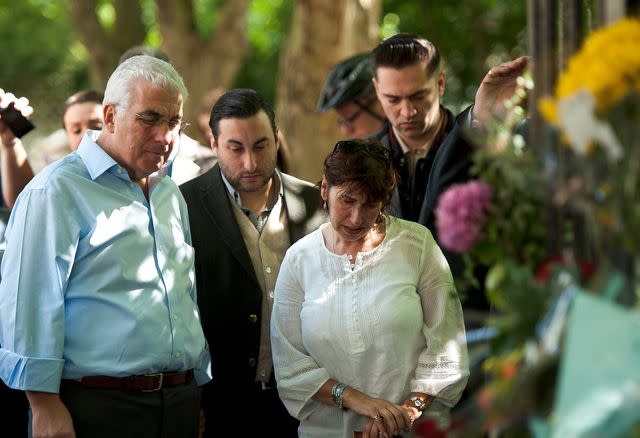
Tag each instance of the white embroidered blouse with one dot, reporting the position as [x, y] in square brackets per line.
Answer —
[387, 325]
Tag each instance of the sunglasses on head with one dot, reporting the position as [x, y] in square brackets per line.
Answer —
[351, 146]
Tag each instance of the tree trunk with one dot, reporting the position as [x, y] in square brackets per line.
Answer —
[105, 48]
[322, 33]
[205, 64]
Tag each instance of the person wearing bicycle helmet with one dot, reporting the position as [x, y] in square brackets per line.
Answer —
[348, 90]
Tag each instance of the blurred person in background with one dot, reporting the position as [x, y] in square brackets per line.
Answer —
[82, 111]
[15, 169]
[348, 90]
[15, 173]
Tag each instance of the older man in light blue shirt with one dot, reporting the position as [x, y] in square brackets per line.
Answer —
[98, 300]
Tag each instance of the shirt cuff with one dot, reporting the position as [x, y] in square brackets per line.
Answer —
[30, 373]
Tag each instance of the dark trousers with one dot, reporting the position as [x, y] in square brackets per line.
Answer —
[261, 411]
[106, 413]
[14, 412]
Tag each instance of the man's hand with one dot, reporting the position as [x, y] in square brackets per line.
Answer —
[51, 417]
[498, 85]
[7, 138]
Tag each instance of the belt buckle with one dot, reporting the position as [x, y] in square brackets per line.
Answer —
[159, 387]
[265, 386]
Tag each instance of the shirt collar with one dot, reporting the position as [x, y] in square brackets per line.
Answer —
[403, 145]
[98, 161]
[277, 179]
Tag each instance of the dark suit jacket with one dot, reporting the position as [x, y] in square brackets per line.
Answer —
[452, 165]
[408, 199]
[228, 290]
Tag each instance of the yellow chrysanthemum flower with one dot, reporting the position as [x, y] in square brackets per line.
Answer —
[608, 65]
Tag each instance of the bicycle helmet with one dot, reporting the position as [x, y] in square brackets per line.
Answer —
[348, 81]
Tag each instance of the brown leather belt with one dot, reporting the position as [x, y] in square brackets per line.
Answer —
[143, 383]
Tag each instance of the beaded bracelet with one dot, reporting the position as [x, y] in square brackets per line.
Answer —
[336, 394]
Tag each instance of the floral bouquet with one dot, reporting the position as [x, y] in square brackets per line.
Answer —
[597, 109]
[590, 179]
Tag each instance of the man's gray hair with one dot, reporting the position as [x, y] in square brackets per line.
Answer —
[155, 71]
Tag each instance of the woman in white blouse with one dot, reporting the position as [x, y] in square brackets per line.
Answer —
[367, 328]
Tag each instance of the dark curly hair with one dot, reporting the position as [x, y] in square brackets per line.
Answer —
[362, 165]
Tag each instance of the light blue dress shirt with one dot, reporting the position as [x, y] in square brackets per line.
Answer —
[96, 279]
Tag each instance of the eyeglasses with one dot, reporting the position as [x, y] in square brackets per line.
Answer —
[349, 120]
[153, 120]
[363, 108]
[351, 146]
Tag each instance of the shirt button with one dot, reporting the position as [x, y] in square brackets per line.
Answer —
[253, 318]
[268, 269]
[271, 294]
[252, 361]
[175, 317]
[178, 354]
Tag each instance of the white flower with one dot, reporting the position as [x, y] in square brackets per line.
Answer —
[576, 116]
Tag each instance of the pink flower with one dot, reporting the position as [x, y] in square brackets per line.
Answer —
[461, 214]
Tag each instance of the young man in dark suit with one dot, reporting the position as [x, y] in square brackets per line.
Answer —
[244, 214]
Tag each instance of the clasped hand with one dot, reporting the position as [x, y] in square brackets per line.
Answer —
[387, 419]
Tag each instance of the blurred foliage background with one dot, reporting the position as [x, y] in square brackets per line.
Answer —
[44, 59]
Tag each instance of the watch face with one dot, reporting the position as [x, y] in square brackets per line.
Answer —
[417, 402]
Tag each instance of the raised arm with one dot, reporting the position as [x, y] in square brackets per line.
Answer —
[498, 85]
[16, 170]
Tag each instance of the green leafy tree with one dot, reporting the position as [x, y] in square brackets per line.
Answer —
[41, 58]
[472, 36]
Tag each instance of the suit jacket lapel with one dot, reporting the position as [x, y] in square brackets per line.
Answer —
[216, 204]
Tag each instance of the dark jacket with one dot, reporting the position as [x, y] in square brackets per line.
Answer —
[408, 201]
[452, 165]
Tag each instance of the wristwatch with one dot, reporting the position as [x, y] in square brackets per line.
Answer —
[418, 403]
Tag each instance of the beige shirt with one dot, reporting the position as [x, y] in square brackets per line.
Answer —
[266, 249]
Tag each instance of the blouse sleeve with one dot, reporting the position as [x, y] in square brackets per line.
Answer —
[298, 375]
[443, 365]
